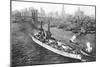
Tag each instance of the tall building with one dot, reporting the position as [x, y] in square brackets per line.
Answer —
[79, 12]
[42, 12]
[63, 12]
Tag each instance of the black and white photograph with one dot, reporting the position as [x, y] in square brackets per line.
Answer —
[43, 33]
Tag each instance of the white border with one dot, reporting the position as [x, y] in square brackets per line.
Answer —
[5, 33]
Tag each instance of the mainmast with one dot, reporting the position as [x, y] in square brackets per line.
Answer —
[41, 27]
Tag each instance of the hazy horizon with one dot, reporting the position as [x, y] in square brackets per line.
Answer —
[69, 9]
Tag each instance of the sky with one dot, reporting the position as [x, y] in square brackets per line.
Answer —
[69, 9]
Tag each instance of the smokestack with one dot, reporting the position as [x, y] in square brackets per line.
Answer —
[49, 26]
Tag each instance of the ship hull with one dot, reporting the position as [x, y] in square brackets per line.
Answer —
[66, 54]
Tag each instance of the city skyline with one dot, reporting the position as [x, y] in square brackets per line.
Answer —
[48, 8]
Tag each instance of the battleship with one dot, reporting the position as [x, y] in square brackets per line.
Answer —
[45, 39]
